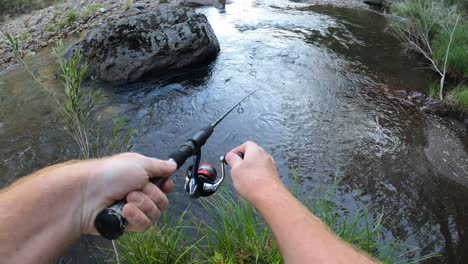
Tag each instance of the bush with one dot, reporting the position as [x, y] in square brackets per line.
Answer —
[437, 15]
[458, 98]
[457, 62]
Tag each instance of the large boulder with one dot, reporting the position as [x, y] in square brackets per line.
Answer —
[168, 39]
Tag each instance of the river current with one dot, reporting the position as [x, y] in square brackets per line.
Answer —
[319, 110]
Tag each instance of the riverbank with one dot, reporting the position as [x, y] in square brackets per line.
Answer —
[41, 28]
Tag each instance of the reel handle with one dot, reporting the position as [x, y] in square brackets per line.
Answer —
[110, 222]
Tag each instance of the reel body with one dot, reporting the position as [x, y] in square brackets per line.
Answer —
[202, 180]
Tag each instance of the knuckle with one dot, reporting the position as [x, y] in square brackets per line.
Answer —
[143, 223]
[129, 155]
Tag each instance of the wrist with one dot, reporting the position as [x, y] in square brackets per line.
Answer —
[267, 193]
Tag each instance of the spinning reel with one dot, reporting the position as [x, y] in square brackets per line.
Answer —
[202, 180]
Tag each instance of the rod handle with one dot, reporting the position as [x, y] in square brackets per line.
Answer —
[111, 223]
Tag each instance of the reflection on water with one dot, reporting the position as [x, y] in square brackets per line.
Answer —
[317, 112]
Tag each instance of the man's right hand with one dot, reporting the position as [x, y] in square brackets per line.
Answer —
[256, 175]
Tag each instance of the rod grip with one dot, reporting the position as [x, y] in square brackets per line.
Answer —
[181, 155]
[111, 223]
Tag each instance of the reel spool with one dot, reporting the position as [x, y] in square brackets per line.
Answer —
[207, 173]
[202, 180]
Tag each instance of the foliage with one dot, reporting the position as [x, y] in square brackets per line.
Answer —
[165, 243]
[50, 28]
[233, 232]
[72, 16]
[238, 235]
[79, 106]
[423, 20]
[457, 61]
[91, 10]
[433, 90]
[458, 98]
[127, 5]
[81, 122]
[437, 15]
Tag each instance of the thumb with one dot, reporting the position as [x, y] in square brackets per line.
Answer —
[232, 159]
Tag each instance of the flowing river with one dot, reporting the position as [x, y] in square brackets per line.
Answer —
[319, 111]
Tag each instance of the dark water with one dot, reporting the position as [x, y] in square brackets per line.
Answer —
[320, 72]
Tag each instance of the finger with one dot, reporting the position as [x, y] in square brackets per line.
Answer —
[165, 184]
[233, 159]
[168, 186]
[159, 168]
[137, 221]
[156, 196]
[242, 148]
[144, 203]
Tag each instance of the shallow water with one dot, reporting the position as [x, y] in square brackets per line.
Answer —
[320, 72]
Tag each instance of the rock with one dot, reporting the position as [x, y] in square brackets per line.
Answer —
[402, 102]
[132, 11]
[42, 44]
[102, 10]
[197, 3]
[47, 35]
[171, 38]
[374, 2]
[417, 97]
[30, 54]
[139, 6]
[433, 106]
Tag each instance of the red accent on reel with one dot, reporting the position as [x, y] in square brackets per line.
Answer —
[208, 172]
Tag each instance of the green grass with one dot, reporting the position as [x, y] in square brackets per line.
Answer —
[438, 15]
[71, 17]
[166, 243]
[236, 233]
[50, 28]
[427, 30]
[91, 10]
[232, 232]
[457, 98]
[458, 56]
[127, 5]
[434, 90]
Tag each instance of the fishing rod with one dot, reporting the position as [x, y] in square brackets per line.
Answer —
[200, 181]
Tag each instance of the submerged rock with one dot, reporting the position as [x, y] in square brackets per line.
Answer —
[170, 38]
[433, 106]
[418, 101]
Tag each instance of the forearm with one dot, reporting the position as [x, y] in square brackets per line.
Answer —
[301, 236]
[40, 215]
